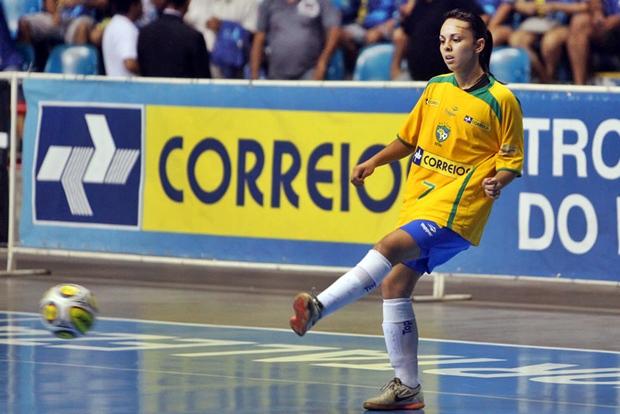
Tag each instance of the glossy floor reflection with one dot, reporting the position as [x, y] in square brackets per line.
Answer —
[132, 366]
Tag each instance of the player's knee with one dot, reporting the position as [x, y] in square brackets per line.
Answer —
[395, 288]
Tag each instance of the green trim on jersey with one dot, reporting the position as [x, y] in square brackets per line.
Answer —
[517, 172]
[455, 205]
[482, 93]
[449, 78]
[407, 144]
[486, 96]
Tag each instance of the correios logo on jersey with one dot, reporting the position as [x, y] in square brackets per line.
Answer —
[88, 164]
[439, 164]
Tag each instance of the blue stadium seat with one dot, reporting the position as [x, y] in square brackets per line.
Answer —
[373, 63]
[14, 9]
[511, 65]
[73, 59]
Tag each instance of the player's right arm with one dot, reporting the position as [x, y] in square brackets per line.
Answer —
[401, 147]
[396, 150]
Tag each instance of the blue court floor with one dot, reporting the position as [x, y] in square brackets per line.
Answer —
[137, 366]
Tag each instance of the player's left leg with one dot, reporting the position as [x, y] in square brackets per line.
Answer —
[356, 283]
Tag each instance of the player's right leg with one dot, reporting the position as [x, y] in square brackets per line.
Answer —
[400, 331]
[356, 283]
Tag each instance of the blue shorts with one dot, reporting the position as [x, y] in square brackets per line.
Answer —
[437, 244]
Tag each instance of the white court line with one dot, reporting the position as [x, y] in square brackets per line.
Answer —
[17, 319]
[285, 381]
[256, 328]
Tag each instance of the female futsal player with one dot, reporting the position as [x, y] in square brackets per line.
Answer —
[466, 137]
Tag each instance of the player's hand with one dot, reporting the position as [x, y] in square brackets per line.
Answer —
[491, 187]
[360, 172]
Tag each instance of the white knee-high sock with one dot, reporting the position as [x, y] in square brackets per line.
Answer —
[401, 339]
[357, 282]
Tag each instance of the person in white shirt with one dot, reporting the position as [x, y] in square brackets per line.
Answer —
[120, 39]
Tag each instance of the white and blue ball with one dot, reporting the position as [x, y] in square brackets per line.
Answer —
[68, 310]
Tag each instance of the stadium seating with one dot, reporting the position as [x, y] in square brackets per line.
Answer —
[373, 63]
[14, 9]
[73, 59]
[511, 65]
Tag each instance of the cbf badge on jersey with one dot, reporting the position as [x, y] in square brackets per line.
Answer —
[309, 8]
[442, 133]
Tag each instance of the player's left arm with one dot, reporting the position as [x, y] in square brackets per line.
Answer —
[509, 159]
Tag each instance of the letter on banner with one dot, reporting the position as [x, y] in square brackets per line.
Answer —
[604, 170]
[577, 150]
[526, 202]
[534, 126]
[583, 246]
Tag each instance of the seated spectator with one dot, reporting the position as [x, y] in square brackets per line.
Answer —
[228, 27]
[374, 21]
[301, 36]
[10, 59]
[68, 21]
[596, 30]
[501, 19]
[420, 45]
[96, 33]
[120, 39]
[168, 47]
[546, 23]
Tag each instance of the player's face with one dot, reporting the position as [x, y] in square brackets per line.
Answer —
[458, 47]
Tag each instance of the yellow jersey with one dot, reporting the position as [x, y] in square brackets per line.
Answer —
[460, 137]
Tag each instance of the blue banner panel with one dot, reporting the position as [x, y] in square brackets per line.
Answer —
[562, 218]
[82, 173]
[259, 172]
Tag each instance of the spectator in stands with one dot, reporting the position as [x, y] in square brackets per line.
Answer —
[420, 43]
[228, 27]
[301, 36]
[170, 48]
[374, 22]
[120, 39]
[547, 25]
[501, 19]
[68, 21]
[96, 33]
[597, 29]
[10, 59]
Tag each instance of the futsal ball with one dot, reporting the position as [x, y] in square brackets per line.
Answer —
[68, 310]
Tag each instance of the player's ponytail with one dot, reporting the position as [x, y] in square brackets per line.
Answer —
[479, 30]
[485, 55]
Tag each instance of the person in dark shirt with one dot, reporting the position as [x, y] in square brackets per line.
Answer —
[170, 48]
[420, 28]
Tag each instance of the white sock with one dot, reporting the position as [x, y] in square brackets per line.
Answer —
[401, 339]
[356, 283]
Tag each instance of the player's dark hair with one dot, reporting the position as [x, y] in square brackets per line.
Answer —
[480, 31]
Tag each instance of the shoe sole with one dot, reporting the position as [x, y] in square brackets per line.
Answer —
[392, 407]
[299, 321]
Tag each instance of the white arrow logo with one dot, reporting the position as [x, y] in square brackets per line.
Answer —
[74, 166]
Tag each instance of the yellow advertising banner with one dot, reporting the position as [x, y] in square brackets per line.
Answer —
[268, 173]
